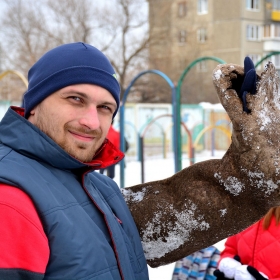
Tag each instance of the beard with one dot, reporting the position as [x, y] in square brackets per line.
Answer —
[59, 133]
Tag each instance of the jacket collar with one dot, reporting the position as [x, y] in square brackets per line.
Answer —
[22, 136]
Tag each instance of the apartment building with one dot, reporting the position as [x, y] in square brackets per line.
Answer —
[229, 30]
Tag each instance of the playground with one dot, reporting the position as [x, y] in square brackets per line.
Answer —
[162, 131]
[148, 129]
[164, 138]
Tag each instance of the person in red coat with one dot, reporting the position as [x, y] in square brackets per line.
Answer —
[114, 136]
[253, 252]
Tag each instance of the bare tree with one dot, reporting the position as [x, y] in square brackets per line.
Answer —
[129, 48]
[72, 21]
[30, 28]
[117, 27]
[21, 43]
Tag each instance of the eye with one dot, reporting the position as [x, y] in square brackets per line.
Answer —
[106, 108]
[75, 98]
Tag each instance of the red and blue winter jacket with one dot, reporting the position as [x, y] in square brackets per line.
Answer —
[59, 218]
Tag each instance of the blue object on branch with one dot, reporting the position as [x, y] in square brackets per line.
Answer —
[250, 82]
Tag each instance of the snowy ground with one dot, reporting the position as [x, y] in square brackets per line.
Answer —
[156, 169]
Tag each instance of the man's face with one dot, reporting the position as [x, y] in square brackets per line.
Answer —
[77, 118]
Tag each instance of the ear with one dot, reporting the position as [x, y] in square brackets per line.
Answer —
[31, 115]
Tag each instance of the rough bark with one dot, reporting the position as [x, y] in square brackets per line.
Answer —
[211, 200]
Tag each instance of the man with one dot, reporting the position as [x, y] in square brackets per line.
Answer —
[59, 220]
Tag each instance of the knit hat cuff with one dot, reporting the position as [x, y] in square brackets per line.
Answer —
[70, 76]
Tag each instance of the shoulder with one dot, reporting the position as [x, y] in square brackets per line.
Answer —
[21, 233]
[106, 186]
[103, 181]
[4, 150]
[19, 202]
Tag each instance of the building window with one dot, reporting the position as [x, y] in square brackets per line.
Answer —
[277, 30]
[266, 31]
[202, 6]
[201, 35]
[182, 9]
[271, 31]
[276, 60]
[253, 32]
[276, 4]
[252, 4]
[201, 66]
[182, 36]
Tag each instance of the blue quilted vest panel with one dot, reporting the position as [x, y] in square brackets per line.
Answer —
[83, 213]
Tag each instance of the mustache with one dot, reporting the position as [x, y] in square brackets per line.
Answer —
[84, 131]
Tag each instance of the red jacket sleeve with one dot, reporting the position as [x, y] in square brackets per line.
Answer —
[230, 249]
[22, 237]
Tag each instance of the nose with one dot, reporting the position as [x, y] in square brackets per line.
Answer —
[90, 118]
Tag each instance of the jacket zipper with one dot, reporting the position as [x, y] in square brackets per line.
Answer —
[110, 232]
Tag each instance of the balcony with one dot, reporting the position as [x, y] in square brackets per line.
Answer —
[271, 44]
[275, 15]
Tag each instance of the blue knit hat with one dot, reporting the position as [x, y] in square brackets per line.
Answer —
[69, 64]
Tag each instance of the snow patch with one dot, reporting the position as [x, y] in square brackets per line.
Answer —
[231, 184]
[264, 118]
[257, 179]
[223, 212]
[133, 196]
[218, 74]
[178, 232]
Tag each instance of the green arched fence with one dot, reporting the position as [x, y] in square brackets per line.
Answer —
[178, 101]
[266, 57]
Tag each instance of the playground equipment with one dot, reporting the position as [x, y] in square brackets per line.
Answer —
[191, 150]
[178, 101]
[218, 123]
[266, 57]
[176, 106]
[174, 109]
[211, 127]
[145, 129]
[3, 74]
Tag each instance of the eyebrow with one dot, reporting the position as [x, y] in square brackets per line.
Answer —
[71, 92]
[85, 96]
